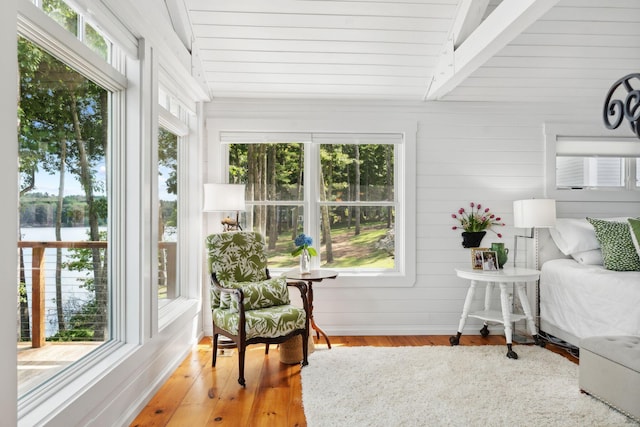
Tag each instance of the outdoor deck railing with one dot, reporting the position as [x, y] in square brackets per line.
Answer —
[38, 282]
[38, 274]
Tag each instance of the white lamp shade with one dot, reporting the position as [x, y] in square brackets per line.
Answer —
[223, 197]
[534, 213]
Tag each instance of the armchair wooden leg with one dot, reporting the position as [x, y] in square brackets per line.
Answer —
[241, 351]
[305, 349]
[215, 350]
[266, 349]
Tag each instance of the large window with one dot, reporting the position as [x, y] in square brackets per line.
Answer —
[69, 116]
[174, 134]
[338, 188]
[64, 204]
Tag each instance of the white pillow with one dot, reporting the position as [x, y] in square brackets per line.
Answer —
[592, 257]
[573, 235]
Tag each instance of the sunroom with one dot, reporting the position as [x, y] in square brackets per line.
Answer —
[362, 124]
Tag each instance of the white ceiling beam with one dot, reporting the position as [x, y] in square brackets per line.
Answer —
[468, 17]
[504, 24]
[179, 16]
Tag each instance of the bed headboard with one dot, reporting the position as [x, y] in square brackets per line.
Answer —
[547, 249]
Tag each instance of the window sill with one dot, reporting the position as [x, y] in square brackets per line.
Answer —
[593, 195]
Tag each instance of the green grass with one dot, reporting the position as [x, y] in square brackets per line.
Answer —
[349, 251]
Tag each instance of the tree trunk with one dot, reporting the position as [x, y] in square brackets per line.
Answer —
[263, 186]
[326, 225]
[86, 180]
[356, 165]
[299, 188]
[348, 209]
[24, 327]
[272, 225]
[251, 182]
[61, 171]
[257, 171]
[388, 150]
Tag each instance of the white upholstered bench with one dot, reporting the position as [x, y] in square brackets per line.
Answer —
[610, 371]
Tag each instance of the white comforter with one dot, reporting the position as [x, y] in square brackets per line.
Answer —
[588, 300]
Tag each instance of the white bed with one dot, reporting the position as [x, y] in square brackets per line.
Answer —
[579, 300]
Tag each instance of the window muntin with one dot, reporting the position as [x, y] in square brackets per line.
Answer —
[355, 209]
[64, 138]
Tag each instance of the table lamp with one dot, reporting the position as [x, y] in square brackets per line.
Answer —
[533, 214]
[225, 198]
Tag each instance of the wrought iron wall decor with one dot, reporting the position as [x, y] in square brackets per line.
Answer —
[615, 110]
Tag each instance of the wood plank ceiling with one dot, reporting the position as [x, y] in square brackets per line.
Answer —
[398, 49]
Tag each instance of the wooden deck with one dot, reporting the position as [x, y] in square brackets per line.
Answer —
[36, 365]
[199, 395]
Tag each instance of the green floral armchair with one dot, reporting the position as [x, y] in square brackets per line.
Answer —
[247, 305]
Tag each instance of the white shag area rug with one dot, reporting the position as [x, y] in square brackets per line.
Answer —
[447, 386]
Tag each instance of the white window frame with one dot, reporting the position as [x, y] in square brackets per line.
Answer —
[589, 140]
[182, 122]
[405, 183]
[133, 79]
[37, 27]
[172, 124]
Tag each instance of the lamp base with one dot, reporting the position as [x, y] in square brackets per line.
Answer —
[229, 224]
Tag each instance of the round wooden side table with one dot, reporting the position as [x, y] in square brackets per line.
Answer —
[311, 277]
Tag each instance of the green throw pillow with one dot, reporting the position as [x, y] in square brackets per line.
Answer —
[618, 251]
[263, 294]
[634, 227]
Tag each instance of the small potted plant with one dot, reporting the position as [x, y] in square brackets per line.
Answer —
[475, 223]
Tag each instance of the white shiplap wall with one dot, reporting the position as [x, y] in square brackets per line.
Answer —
[490, 153]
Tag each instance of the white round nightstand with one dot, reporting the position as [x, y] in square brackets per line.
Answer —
[516, 276]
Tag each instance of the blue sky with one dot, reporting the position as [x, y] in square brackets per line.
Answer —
[48, 183]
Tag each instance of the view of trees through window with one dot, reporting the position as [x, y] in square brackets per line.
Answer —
[74, 23]
[168, 214]
[355, 206]
[63, 132]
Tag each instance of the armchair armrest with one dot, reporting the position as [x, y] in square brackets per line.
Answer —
[302, 287]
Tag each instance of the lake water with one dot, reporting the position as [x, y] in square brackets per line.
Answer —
[73, 293]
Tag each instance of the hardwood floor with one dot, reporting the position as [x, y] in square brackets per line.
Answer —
[199, 395]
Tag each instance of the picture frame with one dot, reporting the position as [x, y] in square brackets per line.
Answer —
[489, 261]
[476, 258]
